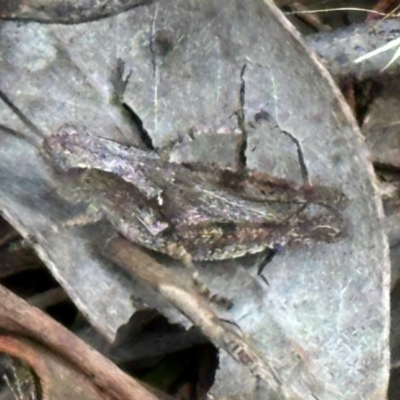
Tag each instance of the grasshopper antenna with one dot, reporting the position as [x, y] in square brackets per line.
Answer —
[38, 135]
[9, 131]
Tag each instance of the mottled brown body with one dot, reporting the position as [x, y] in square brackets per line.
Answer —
[190, 214]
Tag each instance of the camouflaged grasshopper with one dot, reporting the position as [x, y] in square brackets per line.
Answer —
[186, 214]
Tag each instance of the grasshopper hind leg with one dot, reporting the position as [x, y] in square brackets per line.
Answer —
[201, 287]
[212, 297]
